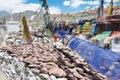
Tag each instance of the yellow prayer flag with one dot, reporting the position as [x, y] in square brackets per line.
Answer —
[110, 9]
[26, 31]
[87, 28]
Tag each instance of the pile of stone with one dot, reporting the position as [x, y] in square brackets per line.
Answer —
[55, 62]
[14, 69]
[42, 61]
[17, 70]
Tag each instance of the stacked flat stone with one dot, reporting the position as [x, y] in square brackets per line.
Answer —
[46, 60]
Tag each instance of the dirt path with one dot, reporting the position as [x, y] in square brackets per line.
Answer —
[3, 76]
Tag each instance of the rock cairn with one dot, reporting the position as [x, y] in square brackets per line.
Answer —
[43, 61]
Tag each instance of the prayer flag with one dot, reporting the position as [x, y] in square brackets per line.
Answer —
[110, 9]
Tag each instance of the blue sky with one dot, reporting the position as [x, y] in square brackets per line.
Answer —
[72, 5]
[55, 6]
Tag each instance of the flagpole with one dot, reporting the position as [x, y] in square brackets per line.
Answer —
[46, 8]
[46, 15]
[100, 9]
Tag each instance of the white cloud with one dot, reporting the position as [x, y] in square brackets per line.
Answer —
[106, 5]
[66, 3]
[20, 6]
[76, 3]
[55, 10]
[17, 5]
[93, 2]
[110, 1]
[88, 7]
[95, 7]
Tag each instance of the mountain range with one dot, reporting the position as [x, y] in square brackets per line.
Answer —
[17, 16]
[39, 19]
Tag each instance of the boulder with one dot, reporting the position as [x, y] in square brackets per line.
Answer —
[58, 72]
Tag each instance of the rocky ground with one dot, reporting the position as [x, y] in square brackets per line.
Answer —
[3, 76]
[41, 60]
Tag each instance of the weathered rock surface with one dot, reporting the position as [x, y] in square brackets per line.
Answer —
[42, 61]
